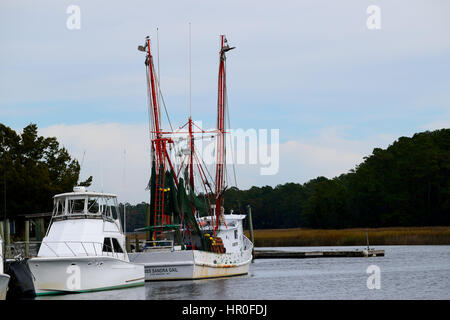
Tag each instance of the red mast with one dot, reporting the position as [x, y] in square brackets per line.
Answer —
[191, 155]
[159, 144]
[221, 105]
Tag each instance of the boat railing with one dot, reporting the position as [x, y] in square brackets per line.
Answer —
[247, 244]
[81, 215]
[61, 249]
[158, 244]
[21, 250]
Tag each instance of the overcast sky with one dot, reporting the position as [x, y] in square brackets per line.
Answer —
[312, 69]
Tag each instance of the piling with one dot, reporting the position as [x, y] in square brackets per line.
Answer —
[367, 239]
[7, 239]
[2, 236]
[127, 244]
[147, 223]
[41, 228]
[136, 240]
[38, 230]
[250, 225]
[27, 238]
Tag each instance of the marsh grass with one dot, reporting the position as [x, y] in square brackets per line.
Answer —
[352, 237]
[345, 237]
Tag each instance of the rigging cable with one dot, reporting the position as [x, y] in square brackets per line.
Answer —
[231, 145]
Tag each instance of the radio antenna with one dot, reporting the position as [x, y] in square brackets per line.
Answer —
[190, 73]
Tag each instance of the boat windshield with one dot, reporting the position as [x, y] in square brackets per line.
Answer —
[86, 205]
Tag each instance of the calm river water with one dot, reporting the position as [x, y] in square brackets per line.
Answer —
[406, 272]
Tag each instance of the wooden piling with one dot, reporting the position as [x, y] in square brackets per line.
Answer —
[136, 241]
[27, 238]
[147, 223]
[7, 239]
[250, 225]
[127, 244]
[2, 236]
[40, 229]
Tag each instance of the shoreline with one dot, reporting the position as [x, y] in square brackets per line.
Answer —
[438, 235]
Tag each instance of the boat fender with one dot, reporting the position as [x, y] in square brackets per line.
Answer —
[21, 283]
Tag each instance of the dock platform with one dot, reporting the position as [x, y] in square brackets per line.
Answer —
[278, 254]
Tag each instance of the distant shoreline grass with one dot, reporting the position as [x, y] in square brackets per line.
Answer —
[351, 237]
[344, 237]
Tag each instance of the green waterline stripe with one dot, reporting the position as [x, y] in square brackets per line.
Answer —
[50, 293]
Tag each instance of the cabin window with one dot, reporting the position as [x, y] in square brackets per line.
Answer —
[116, 245]
[114, 212]
[107, 247]
[93, 206]
[235, 234]
[59, 208]
[76, 205]
[110, 211]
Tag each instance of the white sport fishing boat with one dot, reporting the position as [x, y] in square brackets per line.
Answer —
[4, 278]
[84, 248]
[189, 239]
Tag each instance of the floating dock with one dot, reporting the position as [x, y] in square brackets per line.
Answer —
[279, 254]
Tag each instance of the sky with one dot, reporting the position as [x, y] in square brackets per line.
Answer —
[313, 70]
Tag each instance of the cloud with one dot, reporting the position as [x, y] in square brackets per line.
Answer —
[300, 44]
[329, 154]
[117, 156]
[439, 124]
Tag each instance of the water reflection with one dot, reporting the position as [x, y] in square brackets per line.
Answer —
[220, 288]
[407, 272]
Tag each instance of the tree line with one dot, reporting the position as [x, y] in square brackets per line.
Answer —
[407, 184]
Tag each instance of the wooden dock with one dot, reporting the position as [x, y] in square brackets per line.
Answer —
[279, 254]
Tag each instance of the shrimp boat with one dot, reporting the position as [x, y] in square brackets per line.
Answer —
[4, 278]
[187, 237]
[83, 249]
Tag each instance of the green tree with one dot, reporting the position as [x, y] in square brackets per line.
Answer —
[34, 169]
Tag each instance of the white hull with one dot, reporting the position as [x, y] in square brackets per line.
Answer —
[83, 274]
[4, 280]
[191, 264]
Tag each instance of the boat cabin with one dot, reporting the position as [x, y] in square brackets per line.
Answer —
[84, 205]
[232, 232]
[84, 223]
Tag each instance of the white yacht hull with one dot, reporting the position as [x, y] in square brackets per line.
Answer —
[191, 264]
[83, 274]
[4, 280]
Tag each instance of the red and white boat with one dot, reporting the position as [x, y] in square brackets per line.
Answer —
[187, 237]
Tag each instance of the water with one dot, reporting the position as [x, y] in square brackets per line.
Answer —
[407, 272]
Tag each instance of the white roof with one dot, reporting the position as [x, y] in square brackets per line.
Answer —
[89, 194]
[228, 217]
